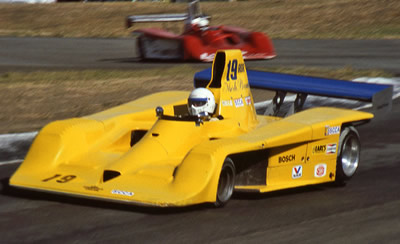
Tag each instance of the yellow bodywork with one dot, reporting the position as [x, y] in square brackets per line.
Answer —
[129, 154]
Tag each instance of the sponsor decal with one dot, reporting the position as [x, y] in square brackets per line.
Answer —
[248, 100]
[320, 170]
[231, 86]
[239, 102]
[319, 149]
[227, 103]
[206, 56]
[93, 188]
[328, 149]
[331, 148]
[124, 193]
[297, 171]
[334, 130]
[241, 68]
[287, 158]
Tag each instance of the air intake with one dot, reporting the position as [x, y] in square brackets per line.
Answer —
[110, 174]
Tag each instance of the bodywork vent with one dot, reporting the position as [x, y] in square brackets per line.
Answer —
[136, 135]
[110, 174]
[218, 70]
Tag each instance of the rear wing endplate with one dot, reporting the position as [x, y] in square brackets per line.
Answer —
[379, 95]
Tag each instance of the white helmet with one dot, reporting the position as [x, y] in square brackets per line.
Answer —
[201, 102]
[202, 23]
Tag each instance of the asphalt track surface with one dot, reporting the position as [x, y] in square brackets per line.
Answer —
[72, 53]
[366, 210]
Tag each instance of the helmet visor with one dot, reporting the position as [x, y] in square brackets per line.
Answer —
[197, 102]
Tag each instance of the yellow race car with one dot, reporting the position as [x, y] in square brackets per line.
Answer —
[158, 150]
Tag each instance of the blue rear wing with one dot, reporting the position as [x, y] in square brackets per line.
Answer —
[379, 95]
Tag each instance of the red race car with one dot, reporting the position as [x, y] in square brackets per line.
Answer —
[199, 41]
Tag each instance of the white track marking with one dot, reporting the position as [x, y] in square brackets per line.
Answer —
[11, 162]
[8, 141]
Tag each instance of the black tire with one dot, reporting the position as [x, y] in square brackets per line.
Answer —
[140, 48]
[226, 183]
[348, 155]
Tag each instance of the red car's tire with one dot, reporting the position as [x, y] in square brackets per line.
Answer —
[140, 48]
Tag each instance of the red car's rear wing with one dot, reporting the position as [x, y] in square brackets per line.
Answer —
[193, 12]
[130, 20]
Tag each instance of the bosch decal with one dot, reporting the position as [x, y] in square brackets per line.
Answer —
[287, 158]
[297, 172]
[334, 130]
[239, 102]
[320, 170]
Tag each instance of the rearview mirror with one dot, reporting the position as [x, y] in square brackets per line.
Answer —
[159, 112]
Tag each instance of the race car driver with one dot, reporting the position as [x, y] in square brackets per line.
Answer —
[201, 103]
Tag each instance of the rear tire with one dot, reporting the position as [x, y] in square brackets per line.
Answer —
[140, 53]
[226, 183]
[348, 155]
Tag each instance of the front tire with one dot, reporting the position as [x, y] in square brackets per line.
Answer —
[226, 183]
[348, 155]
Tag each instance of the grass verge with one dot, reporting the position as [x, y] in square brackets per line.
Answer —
[300, 19]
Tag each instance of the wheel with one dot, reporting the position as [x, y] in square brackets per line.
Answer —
[140, 53]
[348, 155]
[226, 183]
